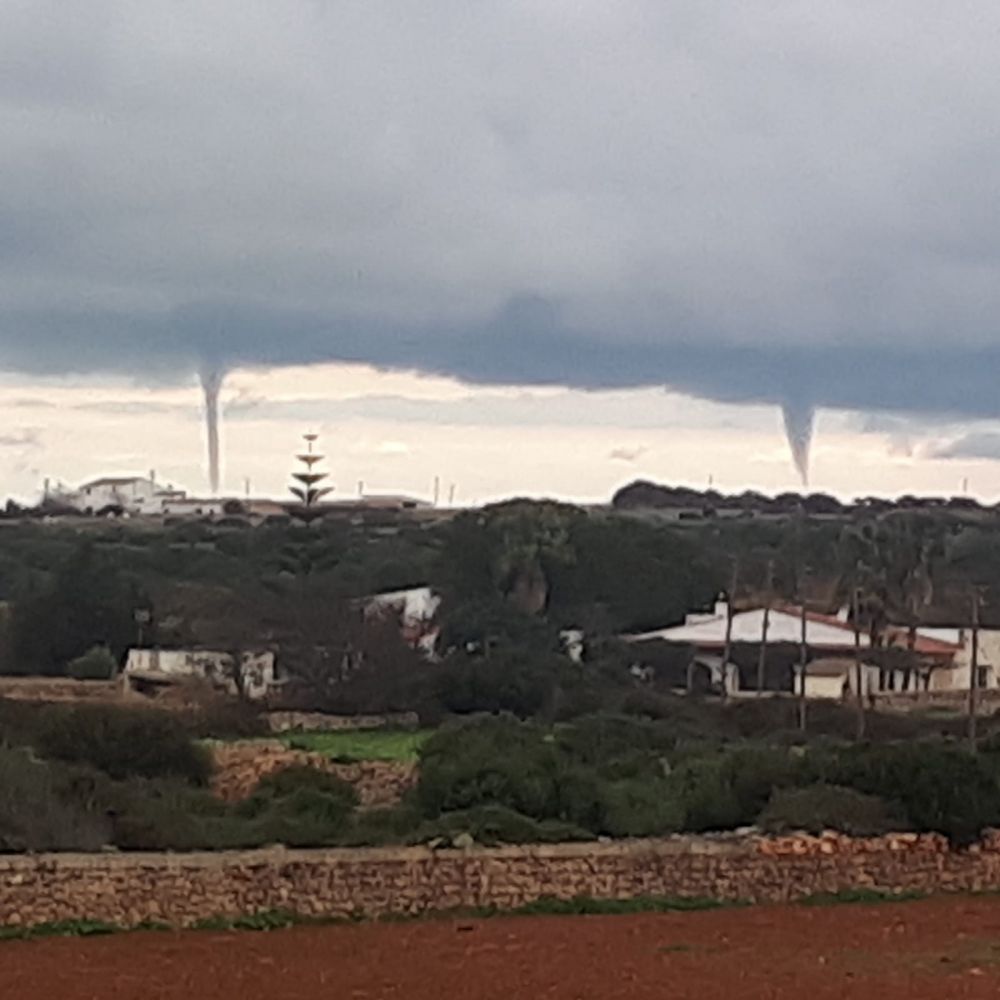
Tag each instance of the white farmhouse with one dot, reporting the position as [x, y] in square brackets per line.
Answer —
[134, 495]
[149, 670]
[830, 642]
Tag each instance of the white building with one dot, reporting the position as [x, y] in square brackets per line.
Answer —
[134, 495]
[830, 640]
[416, 610]
[185, 506]
[147, 670]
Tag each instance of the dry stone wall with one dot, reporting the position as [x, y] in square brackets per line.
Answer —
[239, 768]
[320, 722]
[130, 889]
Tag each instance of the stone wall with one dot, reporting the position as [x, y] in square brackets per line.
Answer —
[240, 766]
[59, 690]
[129, 889]
[320, 722]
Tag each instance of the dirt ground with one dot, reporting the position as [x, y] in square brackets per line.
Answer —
[940, 949]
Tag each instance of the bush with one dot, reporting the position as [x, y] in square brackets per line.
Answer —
[300, 806]
[503, 682]
[940, 788]
[45, 807]
[122, 743]
[705, 788]
[173, 816]
[640, 808]
[493, 824]
[816, 808]
[489, 761]
[299, 777]
[605, 775]
[210, 714]
[97, 664]
[619, 746]
[378, 827]
[304, 818]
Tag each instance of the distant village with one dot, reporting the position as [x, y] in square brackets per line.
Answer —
[146, 496]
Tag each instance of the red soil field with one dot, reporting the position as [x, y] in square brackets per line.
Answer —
[940, 949]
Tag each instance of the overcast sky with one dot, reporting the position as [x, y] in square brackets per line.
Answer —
[706, 211]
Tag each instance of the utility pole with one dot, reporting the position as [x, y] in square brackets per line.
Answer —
[974, 671]
[765, 626]
[803, 660]
[727, 649]
[858, 669]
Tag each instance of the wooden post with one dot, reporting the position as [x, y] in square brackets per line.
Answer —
[974, 673]
[858, 668]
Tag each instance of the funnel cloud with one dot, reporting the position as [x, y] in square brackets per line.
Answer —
[799, 420]
[700, 196]
[211, 383]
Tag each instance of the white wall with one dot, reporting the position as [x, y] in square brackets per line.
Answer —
[825, 686]
[957, 678]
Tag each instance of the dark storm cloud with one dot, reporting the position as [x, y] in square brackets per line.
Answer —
[790, 202]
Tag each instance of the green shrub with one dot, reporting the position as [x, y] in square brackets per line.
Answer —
[173, 816]
[704, 787]
[378, 827]
[618, 746]
[301, 807]
[756, 772]
[939, 787]
[46, 807]
[299, 777]
[305, 817]
[639, 808]
[97, 664]
[122, 742]
[494, 824]
[503, 682]
[816, 808]
[493, 760]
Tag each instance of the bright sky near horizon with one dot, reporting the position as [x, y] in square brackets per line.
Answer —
[396, 431]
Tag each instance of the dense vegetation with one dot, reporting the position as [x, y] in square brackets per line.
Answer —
[532, 745]
[89, 777]
[512, 576]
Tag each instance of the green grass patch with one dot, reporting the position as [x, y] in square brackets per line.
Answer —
[588, 906]
[62, 928]
[266, 920]
[360, 744]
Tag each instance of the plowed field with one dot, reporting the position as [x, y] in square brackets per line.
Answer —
[941, 949]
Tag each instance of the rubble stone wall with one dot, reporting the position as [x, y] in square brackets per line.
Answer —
[320, 722]
[130, 889]
[239, 768]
